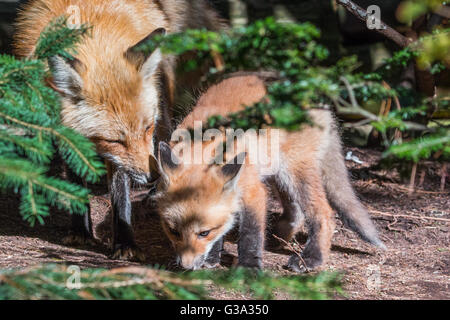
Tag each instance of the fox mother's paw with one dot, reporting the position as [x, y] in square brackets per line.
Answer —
[128, 252]
[79, 239]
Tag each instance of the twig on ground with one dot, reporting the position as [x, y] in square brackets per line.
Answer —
[389, 226]
[443, 176]
[416, 191]
[412, 179]
[291, 248]
[406, 216]
[421, 178]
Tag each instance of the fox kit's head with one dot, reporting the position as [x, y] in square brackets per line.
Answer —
[197, 204]
[113, 99]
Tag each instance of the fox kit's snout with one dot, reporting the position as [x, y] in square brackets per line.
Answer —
[199, 203]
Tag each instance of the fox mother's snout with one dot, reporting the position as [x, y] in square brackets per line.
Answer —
[139, 177]
[140, 173]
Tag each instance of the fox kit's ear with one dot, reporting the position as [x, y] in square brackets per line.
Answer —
[66, 79]
[154, 169]
[232, 171]
[147, 63]
[168, 161]
[151, 65]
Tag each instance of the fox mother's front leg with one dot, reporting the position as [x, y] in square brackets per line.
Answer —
[124, 245]
[81, 230]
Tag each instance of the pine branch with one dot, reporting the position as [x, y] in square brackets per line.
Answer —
[31, 132]
[59, 39]
[18, 174]
[422, 148]
[89, 168]
[51, 282]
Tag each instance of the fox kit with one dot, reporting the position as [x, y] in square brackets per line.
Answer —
[199, 203]
[110, 94]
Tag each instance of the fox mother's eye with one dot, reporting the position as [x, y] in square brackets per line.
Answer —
[174, 232]
[149, 128]
[116, 142]
[204, 234]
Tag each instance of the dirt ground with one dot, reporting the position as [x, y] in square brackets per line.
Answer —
[415, 266]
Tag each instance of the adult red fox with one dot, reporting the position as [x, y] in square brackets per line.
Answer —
[199, 203]
[117, 98]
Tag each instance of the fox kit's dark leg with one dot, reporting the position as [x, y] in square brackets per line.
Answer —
[124, 245]
[215, 254]
[252, 228]
[251, 240]
[293, 217]
[81, 231]
[319, 218]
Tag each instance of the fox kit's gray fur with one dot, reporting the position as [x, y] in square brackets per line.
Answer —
[309, 175]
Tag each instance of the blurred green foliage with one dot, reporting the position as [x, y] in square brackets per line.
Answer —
[57, 282]
[305, 79]
[410, 10]
[291, 51]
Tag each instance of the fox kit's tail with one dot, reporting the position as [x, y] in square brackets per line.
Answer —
[341, 195]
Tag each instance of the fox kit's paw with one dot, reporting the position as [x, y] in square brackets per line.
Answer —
[303, 265]
[79, 239]
[210, 265]
[149, 200]
[284, 230]
[213, 261]
[252, 263]
[128, 252]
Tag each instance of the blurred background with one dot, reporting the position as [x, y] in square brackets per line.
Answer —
[341, 32]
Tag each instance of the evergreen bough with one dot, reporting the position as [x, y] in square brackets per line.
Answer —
[31, 133]
[55, 282]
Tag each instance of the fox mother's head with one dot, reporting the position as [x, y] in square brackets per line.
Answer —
[112, 97]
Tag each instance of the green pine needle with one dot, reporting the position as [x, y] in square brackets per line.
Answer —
[51, 282]
[31, 132]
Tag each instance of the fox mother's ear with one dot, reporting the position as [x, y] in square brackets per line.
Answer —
[232, 171]
[66, 79]
[146, 63]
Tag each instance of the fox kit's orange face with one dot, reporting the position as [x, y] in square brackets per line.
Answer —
[114, 101]
[197, 205]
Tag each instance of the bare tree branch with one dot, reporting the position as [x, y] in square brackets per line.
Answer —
[443, 12]
[385, 30]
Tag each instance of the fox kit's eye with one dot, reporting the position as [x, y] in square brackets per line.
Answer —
[204, 234]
